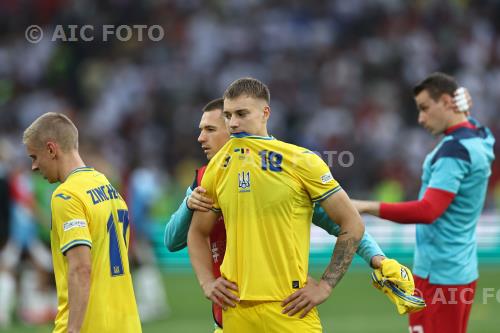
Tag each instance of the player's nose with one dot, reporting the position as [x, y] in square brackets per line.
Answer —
[421, 119]
[201, 138]
[233, 123]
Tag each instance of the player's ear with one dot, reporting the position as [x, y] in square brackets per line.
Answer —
[447, 101]
[51, 149]
[267, 112]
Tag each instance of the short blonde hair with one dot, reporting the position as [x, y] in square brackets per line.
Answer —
[52, 126]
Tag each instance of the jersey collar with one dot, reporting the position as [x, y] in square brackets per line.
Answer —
[247, 135]
[466, 124]
[80, 169]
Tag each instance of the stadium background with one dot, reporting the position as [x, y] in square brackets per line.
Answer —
[340, 74]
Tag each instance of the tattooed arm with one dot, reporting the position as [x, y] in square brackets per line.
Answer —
[339, 209]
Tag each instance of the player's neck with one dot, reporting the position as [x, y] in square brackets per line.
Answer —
[70, 162]
[262, 132]
[457, 123]
[462, 118]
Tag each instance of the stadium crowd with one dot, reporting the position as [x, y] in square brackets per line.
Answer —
[340, 73]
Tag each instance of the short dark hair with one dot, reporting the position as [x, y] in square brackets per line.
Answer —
[436, 85]
[248, 86]
[216, 104]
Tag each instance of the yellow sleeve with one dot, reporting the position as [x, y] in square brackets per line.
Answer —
[69, 221]
[209, 181]
[316, 177]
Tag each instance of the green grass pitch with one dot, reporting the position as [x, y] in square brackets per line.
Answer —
[354, 306]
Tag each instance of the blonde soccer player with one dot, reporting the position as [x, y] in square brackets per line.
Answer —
[213, 136]
[89, 234]
[266, 188]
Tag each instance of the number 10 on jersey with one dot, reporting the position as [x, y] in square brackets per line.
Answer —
[271, 160]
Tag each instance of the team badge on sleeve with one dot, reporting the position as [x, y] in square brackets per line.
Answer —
[326, 178]
[74, 224]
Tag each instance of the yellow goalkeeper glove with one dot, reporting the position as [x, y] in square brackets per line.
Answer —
[396, 281]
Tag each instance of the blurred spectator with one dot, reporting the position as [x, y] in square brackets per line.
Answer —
[352, 61]
[37, 300]
[144, 188]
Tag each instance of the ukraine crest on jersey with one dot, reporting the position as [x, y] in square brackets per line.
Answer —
[87, 210]
[266, 189]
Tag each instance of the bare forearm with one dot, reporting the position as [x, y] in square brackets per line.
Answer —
[340, 209]
[373, 208]
[199, 254]
[350, 236]
[367, 207]
[345, 248]
[78, 296]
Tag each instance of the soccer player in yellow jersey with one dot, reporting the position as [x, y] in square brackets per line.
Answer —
[89, 234]
[265, 189]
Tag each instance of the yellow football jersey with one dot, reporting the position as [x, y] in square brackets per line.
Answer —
[87, 210]
[266, 189]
